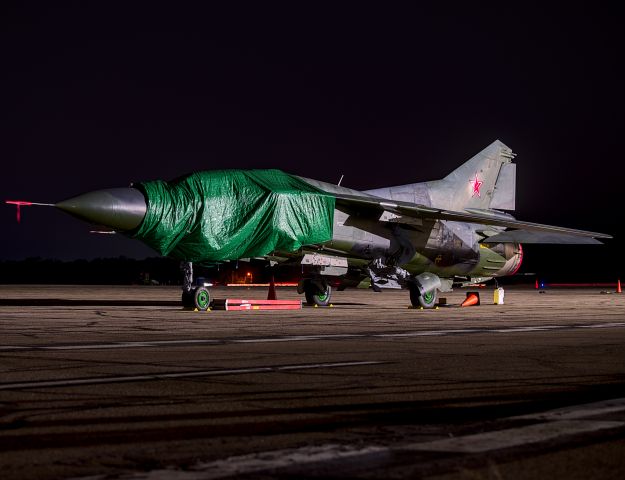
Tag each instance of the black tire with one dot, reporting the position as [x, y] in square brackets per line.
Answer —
[201, 298]
[426, 301]
[315, 297]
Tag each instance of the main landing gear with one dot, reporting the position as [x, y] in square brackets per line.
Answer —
[425, 300]
[316, 290]
[424, 290]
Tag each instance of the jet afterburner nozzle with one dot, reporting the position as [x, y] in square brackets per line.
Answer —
[121, 209]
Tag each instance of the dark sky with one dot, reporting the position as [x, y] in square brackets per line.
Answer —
[101, 94]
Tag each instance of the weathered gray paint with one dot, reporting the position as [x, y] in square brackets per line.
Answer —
[505, 188]
[447, 248]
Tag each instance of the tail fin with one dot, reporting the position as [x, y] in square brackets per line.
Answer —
[487, 180]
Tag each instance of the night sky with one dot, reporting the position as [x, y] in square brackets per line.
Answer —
[100, 95]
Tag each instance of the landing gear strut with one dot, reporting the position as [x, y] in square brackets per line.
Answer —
[193, 296]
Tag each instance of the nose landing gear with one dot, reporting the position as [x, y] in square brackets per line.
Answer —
[194, 296]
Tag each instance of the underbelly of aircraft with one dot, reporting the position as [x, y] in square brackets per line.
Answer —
[484, 261]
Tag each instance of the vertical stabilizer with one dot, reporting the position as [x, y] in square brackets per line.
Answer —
[485, 181]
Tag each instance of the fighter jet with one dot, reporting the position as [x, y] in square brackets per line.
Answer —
[422, 237]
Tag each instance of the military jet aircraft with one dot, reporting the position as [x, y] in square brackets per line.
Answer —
[423, 237]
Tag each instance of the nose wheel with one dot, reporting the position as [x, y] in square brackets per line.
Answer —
[198, 297]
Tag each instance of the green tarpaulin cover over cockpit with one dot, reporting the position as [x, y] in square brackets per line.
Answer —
[230, 214]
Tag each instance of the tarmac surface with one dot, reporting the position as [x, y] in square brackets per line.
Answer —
[120, 382]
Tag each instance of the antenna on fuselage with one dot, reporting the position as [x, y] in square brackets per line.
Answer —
[341, 179]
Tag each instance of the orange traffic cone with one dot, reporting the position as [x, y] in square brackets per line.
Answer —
[618, 286]
[473, 298]
[271, 295]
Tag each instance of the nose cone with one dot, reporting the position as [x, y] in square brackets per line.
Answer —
[121, 209]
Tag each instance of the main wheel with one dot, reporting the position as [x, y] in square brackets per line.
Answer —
[202, 298]
[427, 300]
[315, 297]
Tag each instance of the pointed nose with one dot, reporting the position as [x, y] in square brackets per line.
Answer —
[121, 209]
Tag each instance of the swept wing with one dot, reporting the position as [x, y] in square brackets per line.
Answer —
[525, 232]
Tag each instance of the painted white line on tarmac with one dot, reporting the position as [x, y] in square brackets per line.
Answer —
[246, 464]
[513, 437]
[174, 375]
[603, 325]
[157, 343]
[534, 329]
[306, 338]
[426, 333]
[294, 338]
[256, 462]
[522, 329]
[578, 411]
[269, 461]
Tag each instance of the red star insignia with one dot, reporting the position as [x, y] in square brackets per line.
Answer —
[477, 184]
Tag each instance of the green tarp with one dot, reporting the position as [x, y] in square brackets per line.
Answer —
[230, 214]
